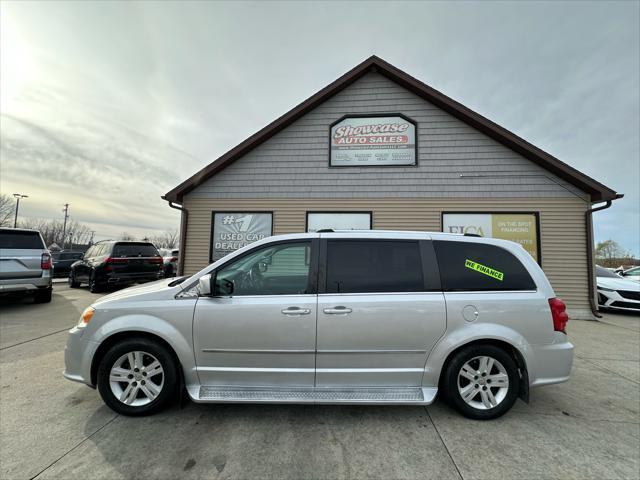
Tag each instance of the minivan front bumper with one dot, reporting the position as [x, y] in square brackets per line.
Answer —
[551, 363]
[78, 354]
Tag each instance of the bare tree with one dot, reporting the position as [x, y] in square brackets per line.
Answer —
[126, 236]
[167, 239]
[610, 254]
[7, 210]
[52, 230]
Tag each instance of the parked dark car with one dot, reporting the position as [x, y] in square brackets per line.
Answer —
[116, 263]
[170, 257]
[62, 262]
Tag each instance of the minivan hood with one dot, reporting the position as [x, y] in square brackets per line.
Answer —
[618, 283]
[145, 289]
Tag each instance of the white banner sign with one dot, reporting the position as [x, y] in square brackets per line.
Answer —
[370, 141]
[234, 230]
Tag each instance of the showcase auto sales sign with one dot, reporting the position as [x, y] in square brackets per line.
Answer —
[370, 141]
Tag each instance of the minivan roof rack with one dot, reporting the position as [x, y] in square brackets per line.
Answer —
[325, 230]
[472, 235]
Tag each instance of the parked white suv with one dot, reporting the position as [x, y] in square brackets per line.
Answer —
[364, 317]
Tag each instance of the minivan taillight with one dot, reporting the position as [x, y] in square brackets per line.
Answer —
[559, 314]
[45, 261]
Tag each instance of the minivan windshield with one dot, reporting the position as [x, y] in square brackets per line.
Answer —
[18, 239]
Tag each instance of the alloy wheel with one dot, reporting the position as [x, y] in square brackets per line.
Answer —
[136, 378]
[483, 382]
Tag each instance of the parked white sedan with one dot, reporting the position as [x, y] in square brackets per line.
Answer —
[617, 292]
[632, 274]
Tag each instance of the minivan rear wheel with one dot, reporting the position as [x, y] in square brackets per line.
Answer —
[137, 377]
[481, 381]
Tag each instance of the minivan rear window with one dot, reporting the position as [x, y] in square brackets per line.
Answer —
[467, 266]
[20, 240]
[134, 250]
[374, 266]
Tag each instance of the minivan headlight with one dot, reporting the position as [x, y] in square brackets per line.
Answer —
[86, 316]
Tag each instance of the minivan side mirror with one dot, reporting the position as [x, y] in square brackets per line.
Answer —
[204, 285]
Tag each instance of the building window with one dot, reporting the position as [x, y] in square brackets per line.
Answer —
[338, 221]
[233, 230]
[523, 228]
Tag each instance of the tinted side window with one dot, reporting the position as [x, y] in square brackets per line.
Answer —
[466, 266]
[20, 240]
[355, 266]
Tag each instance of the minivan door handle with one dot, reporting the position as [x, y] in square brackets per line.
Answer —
[296, 311]
[337, 310]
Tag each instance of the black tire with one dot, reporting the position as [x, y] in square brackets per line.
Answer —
[73, 283]
[170, 382]
[94, 286]
[168, 271]
[43, 296]
[453, 396]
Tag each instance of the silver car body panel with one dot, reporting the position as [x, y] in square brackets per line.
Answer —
[246, 349]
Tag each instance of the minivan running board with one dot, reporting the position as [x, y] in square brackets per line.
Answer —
[374, 395]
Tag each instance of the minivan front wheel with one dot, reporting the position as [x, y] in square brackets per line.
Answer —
[481, 381]
[137, 377]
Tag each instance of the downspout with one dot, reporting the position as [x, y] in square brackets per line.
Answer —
[590, 259]
[183, 235]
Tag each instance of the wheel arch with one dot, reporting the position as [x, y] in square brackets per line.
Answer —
[512, 350]
[481, 334]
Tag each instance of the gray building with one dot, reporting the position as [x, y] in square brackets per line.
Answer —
[379, 149]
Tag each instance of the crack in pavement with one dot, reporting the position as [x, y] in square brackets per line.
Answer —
[605, 369]
[444, 444]
[74, 447]
[37, 338]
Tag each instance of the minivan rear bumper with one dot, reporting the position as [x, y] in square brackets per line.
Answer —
[550, 363]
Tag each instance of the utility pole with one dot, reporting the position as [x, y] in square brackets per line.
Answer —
[17, 196]
[64, 227]
[92, 234]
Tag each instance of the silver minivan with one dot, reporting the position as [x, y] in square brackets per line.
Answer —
[345, 317]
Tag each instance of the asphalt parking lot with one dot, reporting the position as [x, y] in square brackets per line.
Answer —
[53, 428]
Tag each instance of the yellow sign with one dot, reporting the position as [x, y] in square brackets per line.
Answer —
[519, 228]
[478, 267]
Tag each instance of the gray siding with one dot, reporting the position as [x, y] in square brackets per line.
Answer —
[295, 162]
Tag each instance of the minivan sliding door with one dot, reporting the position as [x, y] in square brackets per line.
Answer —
[376, 320]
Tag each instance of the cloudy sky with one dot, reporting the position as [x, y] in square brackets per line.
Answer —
[107, 106]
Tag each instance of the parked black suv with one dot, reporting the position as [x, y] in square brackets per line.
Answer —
[116, 263]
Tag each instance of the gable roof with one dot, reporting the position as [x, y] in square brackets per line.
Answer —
[597, 190]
